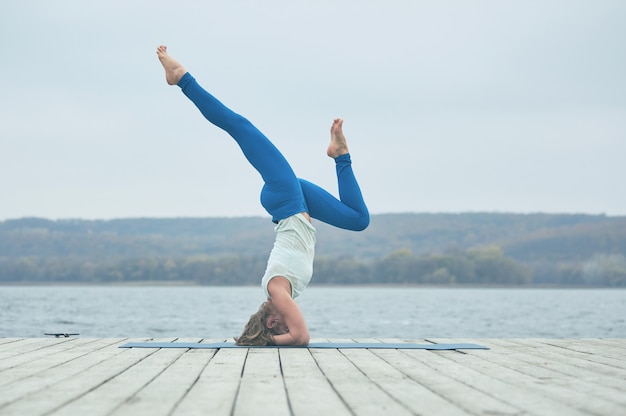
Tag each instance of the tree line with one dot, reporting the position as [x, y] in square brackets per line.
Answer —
[437, 249]
[487, 266]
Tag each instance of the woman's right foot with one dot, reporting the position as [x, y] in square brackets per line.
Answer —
[174, 71]
[338, 145]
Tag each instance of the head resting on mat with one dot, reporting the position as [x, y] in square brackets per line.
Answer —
[262, 326]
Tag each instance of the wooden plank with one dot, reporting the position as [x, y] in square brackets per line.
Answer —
[594, 350]
[9, 343]
[536, 379]
[309, 391]
[152, 386]
[496, 382]
[24, 346]
[576, 345]
[9, 340]
[529, 376]
[598, 381]
[51, 389]
[593, 362]
[568, 362]
[413, 395]
[262, 390]
[32, 376]
[445, 387]
[617, 342]
[443, 381]
[215, 390]
[355, 389]
[161, 395]
[39, 357]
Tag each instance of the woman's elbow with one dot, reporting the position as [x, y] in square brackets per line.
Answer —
[301, 338]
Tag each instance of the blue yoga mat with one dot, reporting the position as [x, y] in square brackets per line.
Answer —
[328, 345]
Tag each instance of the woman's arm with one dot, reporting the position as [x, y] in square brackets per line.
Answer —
[279, 289]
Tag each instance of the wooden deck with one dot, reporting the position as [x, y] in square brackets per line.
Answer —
[80, 376]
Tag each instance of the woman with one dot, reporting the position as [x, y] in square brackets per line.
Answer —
[291, 202]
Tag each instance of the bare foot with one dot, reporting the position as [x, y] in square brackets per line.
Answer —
[338, 145]
[174, 71]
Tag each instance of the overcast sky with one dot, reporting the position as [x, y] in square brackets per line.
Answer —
[449, 106]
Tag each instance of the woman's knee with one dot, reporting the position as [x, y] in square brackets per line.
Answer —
[363, 222]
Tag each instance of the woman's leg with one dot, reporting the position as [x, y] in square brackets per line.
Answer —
[350, 211]
[281, 195]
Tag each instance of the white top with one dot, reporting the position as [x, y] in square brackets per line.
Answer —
[292, 255]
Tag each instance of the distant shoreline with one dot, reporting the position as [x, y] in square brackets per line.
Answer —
[312, 286]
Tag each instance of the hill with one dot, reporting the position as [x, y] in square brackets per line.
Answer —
[432, 248]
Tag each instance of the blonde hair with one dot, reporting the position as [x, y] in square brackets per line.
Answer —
[256, 332]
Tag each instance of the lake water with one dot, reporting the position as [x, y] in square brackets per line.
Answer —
[331, 312]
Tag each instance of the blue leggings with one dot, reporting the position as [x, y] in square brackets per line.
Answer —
[283, 194]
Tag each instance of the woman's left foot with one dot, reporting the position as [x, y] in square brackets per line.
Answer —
[338, 145]
[174, 71]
